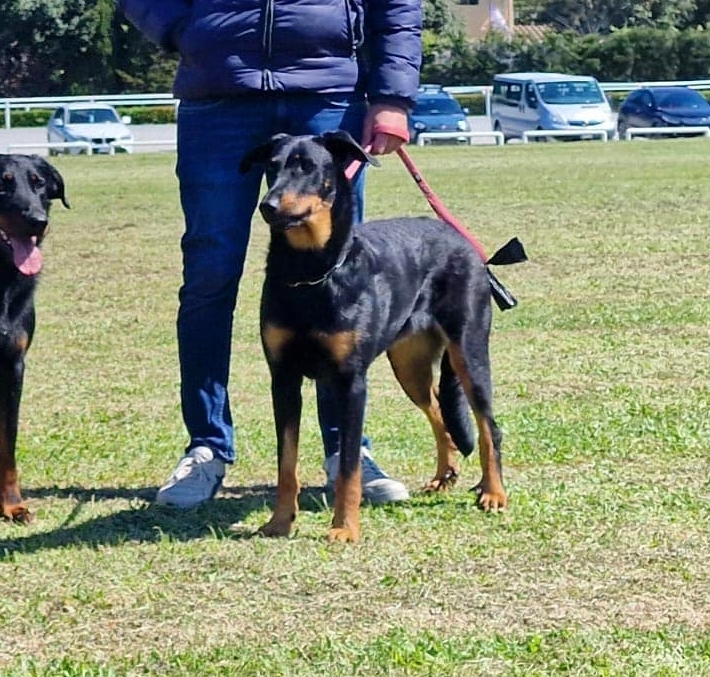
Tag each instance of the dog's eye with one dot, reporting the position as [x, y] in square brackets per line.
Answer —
[36, 180]
[6, 181]
[271, 171]
[307, 164]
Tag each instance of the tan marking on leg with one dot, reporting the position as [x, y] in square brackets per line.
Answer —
[491, 495]
[458, 364]
[287, 490]
[412, 360]
[22, 342]
[275, 338]
[345, 526]
[13, 507]
[447, 467]
[340, 345]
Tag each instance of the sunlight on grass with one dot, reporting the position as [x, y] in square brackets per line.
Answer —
[602, 383]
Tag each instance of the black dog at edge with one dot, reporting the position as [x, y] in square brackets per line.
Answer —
[27, 186]
[335, 297]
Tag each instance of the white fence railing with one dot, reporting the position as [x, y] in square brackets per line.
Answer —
[167, 99]
[170, 144]
[606, 86]
[424, 137]
[53, 145]
[51, 102]
[666, 131]
[573, 133]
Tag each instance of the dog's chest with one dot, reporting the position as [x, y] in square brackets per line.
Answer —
[313, 331]
[16, 316]
[315, 353]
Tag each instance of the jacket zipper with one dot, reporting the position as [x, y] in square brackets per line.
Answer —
[267, 80]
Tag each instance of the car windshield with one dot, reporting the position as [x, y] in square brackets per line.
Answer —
[682, 98]
[92, 116]
[570, 92]
[438, 106]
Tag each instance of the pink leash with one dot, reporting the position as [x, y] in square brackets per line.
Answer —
[512, 252]
[436, 204]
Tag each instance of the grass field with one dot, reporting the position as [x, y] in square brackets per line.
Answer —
[601, 564]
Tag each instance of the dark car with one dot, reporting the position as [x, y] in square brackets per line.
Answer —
[437, 111]
[663, 107]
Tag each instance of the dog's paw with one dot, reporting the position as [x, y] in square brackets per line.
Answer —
[17, 513]
[343, 535]
[275, 527]
[442, 482]
[490, 500]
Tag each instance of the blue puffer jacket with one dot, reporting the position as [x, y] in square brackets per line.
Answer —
[229, 46]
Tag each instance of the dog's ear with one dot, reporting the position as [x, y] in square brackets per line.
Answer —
[344, 148]
[55, 182]
[261, 153]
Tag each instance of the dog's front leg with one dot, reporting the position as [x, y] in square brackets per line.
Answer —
[286, 399]
[348, 487]
[13, 507]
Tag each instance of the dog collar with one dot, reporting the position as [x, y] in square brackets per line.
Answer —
[324, 277]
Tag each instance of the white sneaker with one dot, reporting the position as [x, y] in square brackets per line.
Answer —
[377, 486]
[195, 479]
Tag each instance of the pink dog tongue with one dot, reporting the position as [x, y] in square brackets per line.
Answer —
[27, 256]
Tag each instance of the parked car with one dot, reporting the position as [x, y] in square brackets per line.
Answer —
[436, 110]
[663, 107]
[97, 123]
[523, 102]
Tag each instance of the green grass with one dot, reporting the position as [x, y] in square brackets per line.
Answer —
[602, 374]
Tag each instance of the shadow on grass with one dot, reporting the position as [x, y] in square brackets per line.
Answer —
[146, 522]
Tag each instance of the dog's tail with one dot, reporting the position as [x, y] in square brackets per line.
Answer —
[455, 409]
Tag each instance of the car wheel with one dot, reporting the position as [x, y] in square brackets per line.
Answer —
[621, 131]
[498, 128]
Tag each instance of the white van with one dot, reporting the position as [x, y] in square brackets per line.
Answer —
[526, 101]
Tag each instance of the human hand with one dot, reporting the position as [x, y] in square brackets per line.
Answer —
[385, 128]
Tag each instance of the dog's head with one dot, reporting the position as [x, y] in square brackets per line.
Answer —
[28, 184]
[307, 184]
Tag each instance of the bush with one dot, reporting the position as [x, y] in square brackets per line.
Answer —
[476, 103]
[630, 54]
[140, 115]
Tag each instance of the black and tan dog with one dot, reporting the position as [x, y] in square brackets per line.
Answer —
[28, 184]
[335, 298]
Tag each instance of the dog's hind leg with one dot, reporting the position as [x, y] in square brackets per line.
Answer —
[470, 360]
[412, 360]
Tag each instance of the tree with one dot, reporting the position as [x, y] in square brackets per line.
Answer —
[603, 16]
[443, 40]
[138, 64]
[47, 46]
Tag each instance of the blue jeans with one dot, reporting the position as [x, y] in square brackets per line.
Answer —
[218, 203]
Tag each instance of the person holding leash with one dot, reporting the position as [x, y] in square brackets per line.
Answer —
[250, 69]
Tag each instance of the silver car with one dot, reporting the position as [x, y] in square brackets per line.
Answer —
[77, 125]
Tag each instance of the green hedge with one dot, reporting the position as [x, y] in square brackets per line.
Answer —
[159, 115]
[476, 103]
[140, 115]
